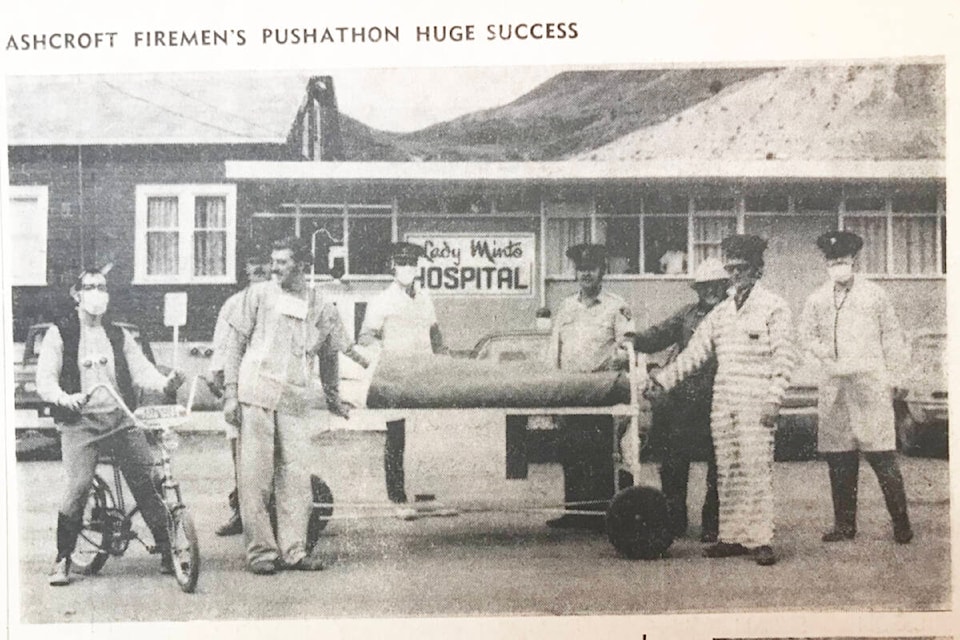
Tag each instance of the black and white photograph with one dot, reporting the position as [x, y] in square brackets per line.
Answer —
[453, 319]
[631, 333]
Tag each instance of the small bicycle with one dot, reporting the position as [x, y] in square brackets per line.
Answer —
[108, 526]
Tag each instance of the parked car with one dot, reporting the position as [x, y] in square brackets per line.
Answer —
[796, 436]
[922, 417]
[36, 433]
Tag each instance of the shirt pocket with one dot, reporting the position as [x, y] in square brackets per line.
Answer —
[756, 335]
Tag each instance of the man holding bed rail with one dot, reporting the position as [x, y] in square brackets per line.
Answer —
[590, 326]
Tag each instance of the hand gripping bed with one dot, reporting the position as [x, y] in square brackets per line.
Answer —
[636, 518]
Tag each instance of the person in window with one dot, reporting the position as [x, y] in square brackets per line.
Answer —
[681, 425]
[673, 262]
[589, 329]
[256, 269]
[751, 335]
[278, 333]
[80, 351]
[850, 327]
[402, 321]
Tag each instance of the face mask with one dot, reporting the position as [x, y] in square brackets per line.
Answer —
[840, 272]
[94, 302]
[543, 324]
[405, 275]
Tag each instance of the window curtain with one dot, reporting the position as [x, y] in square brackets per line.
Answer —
[563, 233]
[915, 245]
[873, 230]
[708, 233]
[210, 236]
[163, 238]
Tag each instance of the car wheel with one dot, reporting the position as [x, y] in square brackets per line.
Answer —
[907, 434]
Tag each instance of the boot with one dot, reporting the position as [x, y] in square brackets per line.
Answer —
[233, 526]
[393, 461]
[844, 469]
[885, 465]
[67, 531]
[710, 514]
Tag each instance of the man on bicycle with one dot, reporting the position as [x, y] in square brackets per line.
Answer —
[84, 349]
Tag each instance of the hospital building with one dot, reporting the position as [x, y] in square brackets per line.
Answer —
[176, 193]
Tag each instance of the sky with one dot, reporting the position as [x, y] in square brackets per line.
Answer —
[411, 98]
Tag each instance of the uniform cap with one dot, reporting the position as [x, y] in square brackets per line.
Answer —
[710, 270]
[588, 255]
[743, 248]
[406, 250]
[839, 244]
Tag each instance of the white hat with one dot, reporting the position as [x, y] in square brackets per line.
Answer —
[710, 270]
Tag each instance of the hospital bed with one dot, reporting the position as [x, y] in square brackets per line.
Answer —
[636, 518]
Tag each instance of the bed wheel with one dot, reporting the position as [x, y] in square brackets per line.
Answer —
[637, 523]
[319, 516]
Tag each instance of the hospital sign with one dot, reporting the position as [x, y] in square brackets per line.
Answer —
[487, 264]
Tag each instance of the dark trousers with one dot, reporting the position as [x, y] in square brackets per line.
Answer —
[844, 470]
[585, 446]
[674, 478]
[393, 460]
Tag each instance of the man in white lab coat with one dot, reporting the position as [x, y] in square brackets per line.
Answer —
[849, 325]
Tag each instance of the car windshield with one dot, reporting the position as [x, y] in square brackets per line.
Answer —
[522, 348]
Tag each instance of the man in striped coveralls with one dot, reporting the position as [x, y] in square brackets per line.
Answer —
[751, 335]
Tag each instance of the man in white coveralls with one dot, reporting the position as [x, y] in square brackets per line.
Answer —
[751, 335]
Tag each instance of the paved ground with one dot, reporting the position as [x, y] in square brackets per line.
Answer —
[492, 563]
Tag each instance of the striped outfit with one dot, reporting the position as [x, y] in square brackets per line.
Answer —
[755, 354]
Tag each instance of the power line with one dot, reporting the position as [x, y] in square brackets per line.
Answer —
[173, 112]
[215, 107]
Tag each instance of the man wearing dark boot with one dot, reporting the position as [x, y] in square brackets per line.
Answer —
[257, 269]
[82, 350]
[851, 328]
[681, 425]
[401, 320]
[590, 328]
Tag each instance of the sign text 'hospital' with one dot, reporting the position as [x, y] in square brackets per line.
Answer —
[477, 264]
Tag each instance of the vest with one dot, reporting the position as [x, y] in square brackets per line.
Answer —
[69, 326]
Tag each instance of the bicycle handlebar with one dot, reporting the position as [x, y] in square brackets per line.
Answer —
[123, 405]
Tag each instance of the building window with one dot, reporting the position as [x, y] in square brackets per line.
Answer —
[26, 228]
[903, 235]
[651, 235]
[185, 234]
[365, 230]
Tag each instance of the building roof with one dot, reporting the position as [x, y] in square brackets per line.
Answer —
[190, 108]
[665, 170]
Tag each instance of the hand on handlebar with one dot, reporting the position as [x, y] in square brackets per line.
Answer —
[73, 401]
[173, 383]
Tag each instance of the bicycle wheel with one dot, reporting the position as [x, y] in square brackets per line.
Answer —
[185, 549]
[96, 535]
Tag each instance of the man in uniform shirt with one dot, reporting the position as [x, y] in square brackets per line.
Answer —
[851, 328]
[81, 351]
[681, 425]
[402, 321]
[751, 336]
[279, 330]
[256, 269]
[588, 332]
